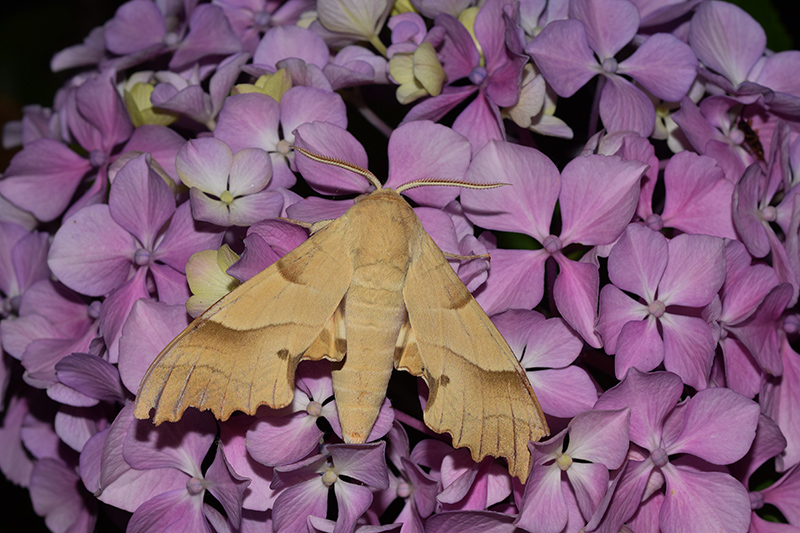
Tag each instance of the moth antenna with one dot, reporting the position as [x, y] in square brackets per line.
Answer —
[301, 223]
[312, 227]
[341, 164]
[459, 257]
[425, 182]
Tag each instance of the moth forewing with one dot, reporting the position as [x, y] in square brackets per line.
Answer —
[243, 351]
[479, 393]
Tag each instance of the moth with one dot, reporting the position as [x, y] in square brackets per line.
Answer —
[369, 291]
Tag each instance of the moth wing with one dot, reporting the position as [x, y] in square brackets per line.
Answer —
[478, 391]
[243, 351]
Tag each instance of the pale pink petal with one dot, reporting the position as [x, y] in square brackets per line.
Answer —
[205, 164]
[526, 204]
[352, 501]
[550, 344]
[575, 293]
[639, 345]
[329, 140]
[140, 201]
[747, 212]
[250, 171]
[44, 164]
[149, 328]
[136, 25]
[480, 122]
[249, 121]
[688, 348]
[422, 149]
[600, 437]
[742, 373]
[57, 495]
[598, 198]
[589, 482]
[180, 445]
[282, 42]
[695, 270]
[85, 263]
[610, 24]
[210, 33]
[719, 426]
[726, 39]
[624, 107]
[274, 441]
[253, 208]
[708, 501]
[177, 509]
[638, 260]
[616, 310]
[511, 270]
[295, 503]
[543, 506]
[307, 104]
[650, 397]
[563, 392]
[562, 53]
[699, 197]
[123, 486]
[664, 65]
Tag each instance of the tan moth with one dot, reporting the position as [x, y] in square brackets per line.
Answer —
[369, 291]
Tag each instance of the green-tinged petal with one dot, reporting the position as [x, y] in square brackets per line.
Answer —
[274, 85]
[403, 6]
[141, 110]
[428, 70]
[208, 279]
[401, 67]
[360, 19]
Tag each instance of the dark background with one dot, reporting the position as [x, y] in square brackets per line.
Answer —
[32, 31]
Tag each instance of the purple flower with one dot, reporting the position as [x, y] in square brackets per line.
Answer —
[253, 121]
[753, 215]
[598, 442]
[97, 120]
[156, 472]
[140, 30]
[53, 323]
[416, 488]
[571, 52]
[748, 337]
[698, 198]
[674, 280]
[227, 189]
[23, 264]
[597, 195]
[715, 426]
[137, 241]
[58, 495]
[467, 485]
[184, 95]
[491, 63]
[731, 45]
[305, 485]
[249, 18]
